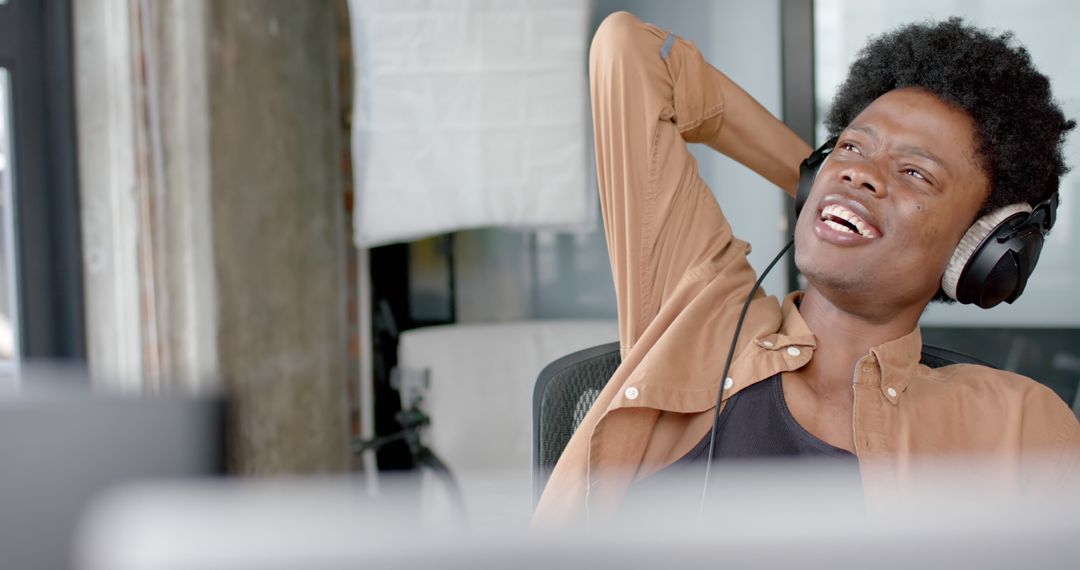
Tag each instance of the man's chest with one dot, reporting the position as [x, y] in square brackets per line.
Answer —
[826, 415]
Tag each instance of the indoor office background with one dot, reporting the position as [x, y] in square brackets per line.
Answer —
[181, 201]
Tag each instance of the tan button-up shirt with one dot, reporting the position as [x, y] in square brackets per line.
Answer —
[681, 279]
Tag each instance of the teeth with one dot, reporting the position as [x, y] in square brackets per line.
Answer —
[847, 215]
[838, 226]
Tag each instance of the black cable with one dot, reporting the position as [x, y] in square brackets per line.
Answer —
[412, 421]
[426, 457]
[723, 377]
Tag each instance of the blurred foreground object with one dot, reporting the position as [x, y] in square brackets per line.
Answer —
[774, 516]
[63, 446]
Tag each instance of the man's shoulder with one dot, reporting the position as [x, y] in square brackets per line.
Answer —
[978, 375]
[1000, 389]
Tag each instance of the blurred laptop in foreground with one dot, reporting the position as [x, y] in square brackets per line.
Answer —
[761, 515]
[63, 445]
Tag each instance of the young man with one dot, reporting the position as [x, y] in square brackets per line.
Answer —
[937, 125]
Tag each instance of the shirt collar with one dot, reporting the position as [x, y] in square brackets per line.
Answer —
[793, 329]
[689, 385]
[897, 359]
[789, 348]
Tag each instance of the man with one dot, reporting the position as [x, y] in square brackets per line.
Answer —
[937, 125]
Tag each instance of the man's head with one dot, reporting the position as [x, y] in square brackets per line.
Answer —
[938, 124]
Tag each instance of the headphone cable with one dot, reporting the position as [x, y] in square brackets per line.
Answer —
[724, 376]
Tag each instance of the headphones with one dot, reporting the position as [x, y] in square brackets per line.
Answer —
[995, 257]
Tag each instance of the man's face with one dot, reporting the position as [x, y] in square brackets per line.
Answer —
[892, 201]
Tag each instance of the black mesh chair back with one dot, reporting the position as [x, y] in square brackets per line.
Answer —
[567, 388]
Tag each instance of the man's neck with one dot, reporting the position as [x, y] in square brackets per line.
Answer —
[844, 336]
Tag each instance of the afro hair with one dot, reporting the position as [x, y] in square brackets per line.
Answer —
[1020, 128]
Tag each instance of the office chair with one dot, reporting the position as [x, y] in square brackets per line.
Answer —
[567, 388]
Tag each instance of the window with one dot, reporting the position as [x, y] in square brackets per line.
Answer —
[8, 294]
[41, 296]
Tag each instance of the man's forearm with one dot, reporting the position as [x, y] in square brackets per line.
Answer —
[751, 135]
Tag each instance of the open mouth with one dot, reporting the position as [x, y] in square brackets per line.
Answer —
[842, 219]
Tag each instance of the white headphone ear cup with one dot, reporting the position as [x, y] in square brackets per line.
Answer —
[971, 241]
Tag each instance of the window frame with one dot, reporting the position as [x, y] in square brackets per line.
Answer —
[797, 91]
[36, 49]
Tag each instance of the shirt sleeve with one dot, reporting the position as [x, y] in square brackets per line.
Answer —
[652, 92]
[1050, 434]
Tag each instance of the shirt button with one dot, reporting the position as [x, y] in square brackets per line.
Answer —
[767, 343]
[891, 392]
[728, 383]
[793, 351]
[631, 393]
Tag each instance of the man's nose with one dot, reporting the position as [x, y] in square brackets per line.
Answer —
[864, 175]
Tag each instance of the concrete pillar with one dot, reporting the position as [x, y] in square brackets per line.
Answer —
[277, 219]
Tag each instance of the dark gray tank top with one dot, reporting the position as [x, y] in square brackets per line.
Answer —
[757, 423]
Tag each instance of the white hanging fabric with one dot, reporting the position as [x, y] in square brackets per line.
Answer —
[469, 113]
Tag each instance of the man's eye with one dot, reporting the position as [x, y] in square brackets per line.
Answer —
[849, 147]
[915, 174]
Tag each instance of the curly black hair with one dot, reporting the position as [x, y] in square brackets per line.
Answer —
[1021, 129]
